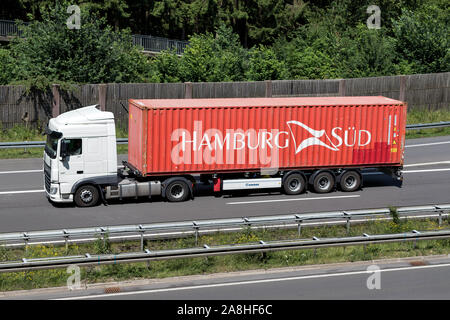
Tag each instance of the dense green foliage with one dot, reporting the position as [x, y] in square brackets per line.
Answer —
[230, 40]
[49, 52]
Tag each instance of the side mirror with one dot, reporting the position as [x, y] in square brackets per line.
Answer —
[63, 151]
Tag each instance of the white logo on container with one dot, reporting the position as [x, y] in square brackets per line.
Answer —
[214, 146]
[312, 141]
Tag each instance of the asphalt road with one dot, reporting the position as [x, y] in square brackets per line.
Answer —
[24, 207]
[412, 278]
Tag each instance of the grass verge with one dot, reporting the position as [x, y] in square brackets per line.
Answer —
[426, 116]
[228, 263]
[23, 133]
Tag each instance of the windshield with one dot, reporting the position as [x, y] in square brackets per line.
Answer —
[51, 146]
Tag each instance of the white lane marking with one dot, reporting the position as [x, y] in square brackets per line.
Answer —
[426, 164]
[23, 171]
[21, 191]
[426, 144]
[409, 171]
[302, 199]
[427, 170]
[249, 282]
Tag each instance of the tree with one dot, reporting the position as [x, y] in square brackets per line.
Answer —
[366, 53]
[263, 64]
[114, 11]
[311, 54]
[6, 66]
[213, 58]
[165, 67]
[422, 39]
[51, 52]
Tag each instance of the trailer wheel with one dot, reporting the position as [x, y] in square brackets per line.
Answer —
[323, 182]
[294, 184]
[86, 196]
[177, 191]
[350, 181]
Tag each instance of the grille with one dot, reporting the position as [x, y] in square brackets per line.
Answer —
[47, 177]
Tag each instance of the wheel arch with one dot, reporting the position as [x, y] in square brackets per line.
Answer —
[95, 181]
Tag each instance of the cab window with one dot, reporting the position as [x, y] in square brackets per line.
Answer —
[74, 147]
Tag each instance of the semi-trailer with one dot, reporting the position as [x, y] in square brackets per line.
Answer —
[290, 144]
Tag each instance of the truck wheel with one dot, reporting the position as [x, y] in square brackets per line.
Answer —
[86, 196]
[177, 191]
[323, 182]
[350, 181]
[294, 184]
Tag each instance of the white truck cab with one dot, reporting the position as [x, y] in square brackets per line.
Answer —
[80, 148]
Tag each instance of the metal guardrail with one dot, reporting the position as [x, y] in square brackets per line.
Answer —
[205, 251]
[419, 126]
[184, 228]
[9, 28]
[41, 144]
[158, 44]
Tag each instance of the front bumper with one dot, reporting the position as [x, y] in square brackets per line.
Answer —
[57, 197]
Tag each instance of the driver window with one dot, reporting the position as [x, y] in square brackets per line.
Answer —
[74, 147]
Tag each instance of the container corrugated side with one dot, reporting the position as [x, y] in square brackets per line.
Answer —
[231, 139]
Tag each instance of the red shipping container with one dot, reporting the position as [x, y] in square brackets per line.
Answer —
[178, 136]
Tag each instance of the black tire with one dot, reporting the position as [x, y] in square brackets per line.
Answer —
[350, 181]
[86, 196]
[294, 184]
[323, 182]
[177, 191]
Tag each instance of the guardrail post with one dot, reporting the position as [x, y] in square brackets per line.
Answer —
[26, 238]
[299, 225]
[196, 227]
[148, 261]
[415, 240]
[315, 249]
[142, 237]
[440, 218]
[66, 238]
[102, 233]
[364, 246]
[348, 225]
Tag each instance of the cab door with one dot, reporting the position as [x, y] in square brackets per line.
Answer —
[71, 167]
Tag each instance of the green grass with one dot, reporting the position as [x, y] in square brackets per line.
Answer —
[22, 133]
[425, 116]
[228, 263]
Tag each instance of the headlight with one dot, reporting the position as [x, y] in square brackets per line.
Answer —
[53, 190]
